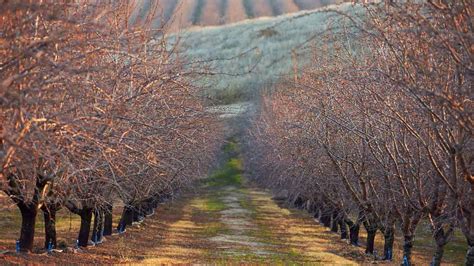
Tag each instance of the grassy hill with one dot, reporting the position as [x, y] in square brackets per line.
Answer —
[246, 56]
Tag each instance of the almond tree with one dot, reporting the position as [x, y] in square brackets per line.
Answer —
[389, 110]
[94, 110]
[429, 57]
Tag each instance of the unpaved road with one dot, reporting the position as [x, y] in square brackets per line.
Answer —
[237, 223]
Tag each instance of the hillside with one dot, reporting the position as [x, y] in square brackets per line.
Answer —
[245, 56]
[179, 14]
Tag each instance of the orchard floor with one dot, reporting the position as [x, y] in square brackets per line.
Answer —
[225, 219]
[235, 224]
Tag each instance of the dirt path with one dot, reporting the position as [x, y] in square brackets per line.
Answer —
[237, 224]
[229, 220]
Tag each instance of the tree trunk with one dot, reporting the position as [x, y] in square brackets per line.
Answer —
[84, 231]
[108, 220]
[353, 233]
[389, 237]
[343, 227]
[49, 214]
[469, 233]
[437, 256]
[370, 240]
[98, 228]
[470, 254]
[138, 214]
[317, 213]
[155, 202]
[407, 249]
[298, 203]
[28, 211]
[335, 221]
[325, 218]
[28, 220]
[441, 238]
[126, 219]
[149, 210]
[371, 228]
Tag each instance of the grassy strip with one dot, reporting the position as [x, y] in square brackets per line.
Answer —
[230, 174]
[214, 204]
[213, 229]
[266, 234]
[256, 259]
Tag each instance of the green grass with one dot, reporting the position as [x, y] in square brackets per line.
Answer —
[264, 235]
[213, 229]
[214, 204]
[289, 258]
[246, 204]
[11, 219]
[231, 147]
[230, 174]
[225, 177]
[11, 222]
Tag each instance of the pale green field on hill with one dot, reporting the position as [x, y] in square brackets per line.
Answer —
[247, 56]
